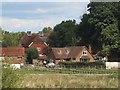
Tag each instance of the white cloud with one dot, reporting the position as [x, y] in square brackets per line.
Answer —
[35, 20]
[45, 0]
[34, 25]
[38, 10]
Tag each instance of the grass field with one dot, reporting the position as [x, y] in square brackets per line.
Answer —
[69, 81]
[69, 78]
[69, 71]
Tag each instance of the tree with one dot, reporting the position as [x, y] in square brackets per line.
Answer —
[32, 53]
[64, 34]
[47, 30]
[100, 27]
[1, 32]
[10, 39]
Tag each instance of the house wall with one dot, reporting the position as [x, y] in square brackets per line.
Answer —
[42, 47]
[51, 56]
[40, 62]
[13, 60]
[81, 54]
[57, 61]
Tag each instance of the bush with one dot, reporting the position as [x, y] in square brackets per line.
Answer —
[10, 78]
[32, 53]
[83, 64]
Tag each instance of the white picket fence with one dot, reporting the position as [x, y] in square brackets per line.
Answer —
[111, 65]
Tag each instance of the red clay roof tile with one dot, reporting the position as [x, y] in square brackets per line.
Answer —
[67, 52]
[12, 51]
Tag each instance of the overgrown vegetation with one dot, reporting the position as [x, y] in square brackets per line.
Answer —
[69, 81]
[10, 78]
[65, 78]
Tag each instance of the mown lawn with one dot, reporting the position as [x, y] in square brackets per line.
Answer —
[69, 81]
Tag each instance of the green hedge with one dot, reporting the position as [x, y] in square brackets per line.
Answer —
[83, 64]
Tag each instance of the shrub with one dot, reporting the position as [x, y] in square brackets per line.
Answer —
[10, 78]
[83, 64]
[32, 53]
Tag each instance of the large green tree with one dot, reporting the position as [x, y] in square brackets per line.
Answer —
[10, 39]
[100, 27]
[64, 34]
[47, 30]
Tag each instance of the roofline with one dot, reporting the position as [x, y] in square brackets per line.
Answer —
[67, 47]
[89, 51]
[30, 44]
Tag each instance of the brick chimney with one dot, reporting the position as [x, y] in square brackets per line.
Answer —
[29, 33]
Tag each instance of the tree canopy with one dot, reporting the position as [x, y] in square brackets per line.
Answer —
[47, 30]
[100, 27]
[64, 34]
[10, 39]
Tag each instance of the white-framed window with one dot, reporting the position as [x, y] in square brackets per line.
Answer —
[19, 58]
[84, 53]
[38, 48]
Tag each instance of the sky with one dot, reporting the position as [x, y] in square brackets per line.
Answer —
[34, 16]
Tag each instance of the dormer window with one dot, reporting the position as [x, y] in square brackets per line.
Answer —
[67, 51]
[29, 33]
[85, 53]
[58, 51]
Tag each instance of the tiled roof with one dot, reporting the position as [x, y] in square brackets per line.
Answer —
[67, 52]
[59, 52]
[12, 51]
[27, 40]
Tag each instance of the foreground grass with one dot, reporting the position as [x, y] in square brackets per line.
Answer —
[69, 81]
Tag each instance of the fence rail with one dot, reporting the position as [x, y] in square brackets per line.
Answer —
[61, 69]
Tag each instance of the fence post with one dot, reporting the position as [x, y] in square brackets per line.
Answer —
[89, 67]
[95, 67]
[101, 66]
